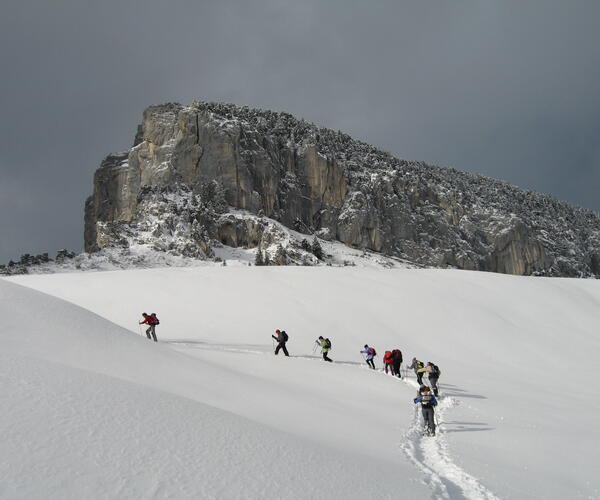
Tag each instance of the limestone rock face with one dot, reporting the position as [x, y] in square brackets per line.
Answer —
[315, 180]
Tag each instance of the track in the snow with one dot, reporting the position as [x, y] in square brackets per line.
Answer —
[431, 456]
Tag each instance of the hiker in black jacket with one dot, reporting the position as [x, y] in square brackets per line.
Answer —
[396, 362]
[281, 339]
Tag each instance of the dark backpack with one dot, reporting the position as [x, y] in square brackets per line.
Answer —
[285, 336]
[328, 343]
[155, 320]
[435, 370]
[397, 355]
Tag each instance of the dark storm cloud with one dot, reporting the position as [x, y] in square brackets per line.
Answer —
[509, 89]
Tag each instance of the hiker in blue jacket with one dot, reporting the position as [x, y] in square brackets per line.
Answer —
[428, 403]
[370, 354]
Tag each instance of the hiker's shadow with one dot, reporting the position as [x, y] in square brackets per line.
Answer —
[455, 426]
[455, 392]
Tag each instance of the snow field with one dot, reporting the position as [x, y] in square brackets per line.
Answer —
[517, 417]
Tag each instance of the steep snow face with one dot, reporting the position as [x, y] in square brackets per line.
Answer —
[517, 417]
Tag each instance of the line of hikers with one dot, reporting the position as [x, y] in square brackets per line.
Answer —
[392, 361]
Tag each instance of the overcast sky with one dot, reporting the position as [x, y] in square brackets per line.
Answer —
[508, 89]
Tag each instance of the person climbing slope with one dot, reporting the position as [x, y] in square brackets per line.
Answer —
[387, 362]
[416, 366]
[369, 355]
[428, 403]
[325, 347]
[151, 320]
[281, 339]
[396, 362]
[434, 373]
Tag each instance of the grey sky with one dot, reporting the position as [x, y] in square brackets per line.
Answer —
[508, 89]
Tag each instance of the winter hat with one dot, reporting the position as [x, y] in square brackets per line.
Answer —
[366, 345]
[425, 389]
[277, 331]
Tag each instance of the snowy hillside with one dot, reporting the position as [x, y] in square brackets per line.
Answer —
[96, 410]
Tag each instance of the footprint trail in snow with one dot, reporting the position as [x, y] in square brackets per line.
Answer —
[432, 458]
[430, 455]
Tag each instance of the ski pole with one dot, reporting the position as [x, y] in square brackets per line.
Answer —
[140, 329]
[315, 347]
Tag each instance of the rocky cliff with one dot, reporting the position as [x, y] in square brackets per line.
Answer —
[190, 166]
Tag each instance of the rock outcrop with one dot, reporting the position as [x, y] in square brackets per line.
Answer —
[318, 181]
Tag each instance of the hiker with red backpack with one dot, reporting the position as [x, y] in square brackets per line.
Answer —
[396, 362]
[369, 353]
[151, 320]
[387, 362]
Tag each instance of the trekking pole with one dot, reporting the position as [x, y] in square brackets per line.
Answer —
[315, 347]
[140, 328]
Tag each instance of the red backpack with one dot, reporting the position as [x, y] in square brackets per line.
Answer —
[372, 351]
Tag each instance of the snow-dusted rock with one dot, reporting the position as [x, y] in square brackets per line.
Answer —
[316, 180]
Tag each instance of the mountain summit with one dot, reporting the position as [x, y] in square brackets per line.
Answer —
[211, 174]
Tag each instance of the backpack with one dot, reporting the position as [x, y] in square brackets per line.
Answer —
[427, 400]
[285, 336]
[327, 344]
[155, 320]
[435, 370]
[372, 351]
[419, 365]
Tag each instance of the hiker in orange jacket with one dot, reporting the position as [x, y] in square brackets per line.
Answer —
[387, 362]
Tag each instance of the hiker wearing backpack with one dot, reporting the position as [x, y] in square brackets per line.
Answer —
[434, 373]
[396, 362]
[370, 354]
[281, 339]
[416, 366]
[387, 362]
[428, 403]
[325, 347]
[151, 320]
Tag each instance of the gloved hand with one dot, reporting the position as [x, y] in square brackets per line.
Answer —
[415, 400]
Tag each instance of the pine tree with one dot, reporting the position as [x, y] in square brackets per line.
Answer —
[280, 256]
[267, 260]
[258, 260]
[317, 250]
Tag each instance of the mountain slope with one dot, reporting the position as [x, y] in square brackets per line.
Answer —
[512, 350]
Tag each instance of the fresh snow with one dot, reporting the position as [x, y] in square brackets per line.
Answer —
[96, 410]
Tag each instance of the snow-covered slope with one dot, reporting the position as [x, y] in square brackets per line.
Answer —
[518, 417]
[92, 411]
